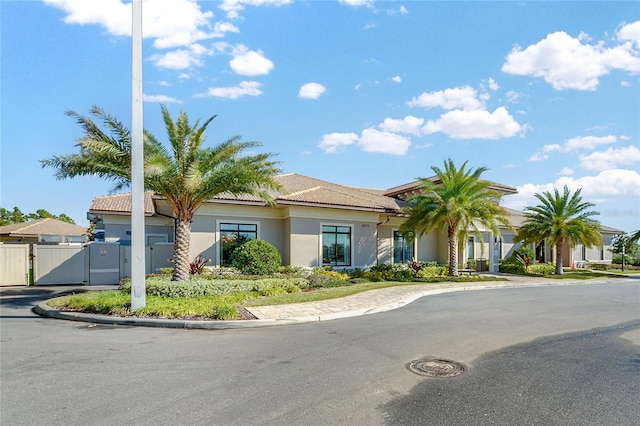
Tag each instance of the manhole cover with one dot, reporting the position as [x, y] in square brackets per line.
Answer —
[436, 367]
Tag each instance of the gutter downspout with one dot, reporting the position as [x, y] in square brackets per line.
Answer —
[378, 238]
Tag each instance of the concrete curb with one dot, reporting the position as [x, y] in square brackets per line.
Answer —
[45, 310]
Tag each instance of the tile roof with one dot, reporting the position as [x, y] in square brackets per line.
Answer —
[299, 189]
[47, 226]
[120, 203]
[412, 188]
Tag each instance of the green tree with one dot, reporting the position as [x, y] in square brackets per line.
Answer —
[185, 173]
[8, 217]
[627, 243]
[559, 219]
[458, 202]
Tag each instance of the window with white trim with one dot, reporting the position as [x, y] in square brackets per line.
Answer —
[402, 249]
[336, 245]
[232, 236]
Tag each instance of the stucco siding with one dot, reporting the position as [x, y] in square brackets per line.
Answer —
[305, 237]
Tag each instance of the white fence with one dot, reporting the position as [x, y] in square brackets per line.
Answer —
[95, 263]
[14, 264]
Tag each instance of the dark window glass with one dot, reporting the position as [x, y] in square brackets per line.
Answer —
[336, 245]
[232, 236]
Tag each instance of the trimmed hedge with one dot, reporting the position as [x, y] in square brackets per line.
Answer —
[203, 287]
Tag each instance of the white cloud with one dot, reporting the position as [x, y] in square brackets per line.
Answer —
[180, 59]
[577, 143]
[373, 140]
[477, 124]
[163, 99]
[588, 142]
[396, 79]
[611, 158]
[459, 97]
[409, 124]
[607, 183]
[566, 171]
[245, 88]
[249, 62]
[357, 3]
[234, 7]
[493, 85]
[172, 23]
[337, 141]
[512, 96]
[311, 91]
[566, 63]
[399, 11]
[630, 32]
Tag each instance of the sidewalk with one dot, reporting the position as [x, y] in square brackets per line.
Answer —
[369, 302]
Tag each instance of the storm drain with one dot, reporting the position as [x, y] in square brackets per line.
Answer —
[436, 367]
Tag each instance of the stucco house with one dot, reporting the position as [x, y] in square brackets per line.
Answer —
[316, 223]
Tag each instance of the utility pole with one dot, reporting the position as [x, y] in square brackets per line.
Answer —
[138, 291]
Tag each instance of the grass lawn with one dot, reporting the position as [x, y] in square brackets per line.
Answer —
[586, 274]
[217, 306]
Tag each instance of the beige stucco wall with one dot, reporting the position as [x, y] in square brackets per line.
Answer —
[205, 238]
[305, 234]
[117, 226]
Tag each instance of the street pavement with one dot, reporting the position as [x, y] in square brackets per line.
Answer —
[536, 353]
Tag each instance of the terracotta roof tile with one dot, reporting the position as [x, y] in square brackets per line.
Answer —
[120, 203]
[47, 226]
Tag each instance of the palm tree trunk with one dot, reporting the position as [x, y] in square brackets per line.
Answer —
[453, 252]
[181, 251]
[559, 270]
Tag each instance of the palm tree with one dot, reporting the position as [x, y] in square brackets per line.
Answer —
[185, 173]
[457, 201]
[558, 219]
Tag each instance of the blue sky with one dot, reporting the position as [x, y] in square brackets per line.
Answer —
[362, 93]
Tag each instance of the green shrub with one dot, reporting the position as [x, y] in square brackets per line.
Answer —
[226, 312]
[256, 257]
[356, 273]
[198, 286]
[542, 269]
[511, 268]
[523, 252]
[628, 260]
[166, 272]
[326, 277]
[433, 271]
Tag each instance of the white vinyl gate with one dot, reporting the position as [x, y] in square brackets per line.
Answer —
[59, 264]
[95, 263]
[14, 264]
[158, 256]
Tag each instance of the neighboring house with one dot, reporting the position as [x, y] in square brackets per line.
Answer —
[43, 230]
[313, 223]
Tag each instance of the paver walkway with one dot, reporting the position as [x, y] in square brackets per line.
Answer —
[383, 299]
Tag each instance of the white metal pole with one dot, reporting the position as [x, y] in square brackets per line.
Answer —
[138, 296]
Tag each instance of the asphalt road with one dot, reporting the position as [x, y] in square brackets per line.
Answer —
[566, 355]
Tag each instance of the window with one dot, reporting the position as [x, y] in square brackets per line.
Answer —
[336, 245]
[152, 239]
[402, 249]
[471, 249]
[232, 236]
